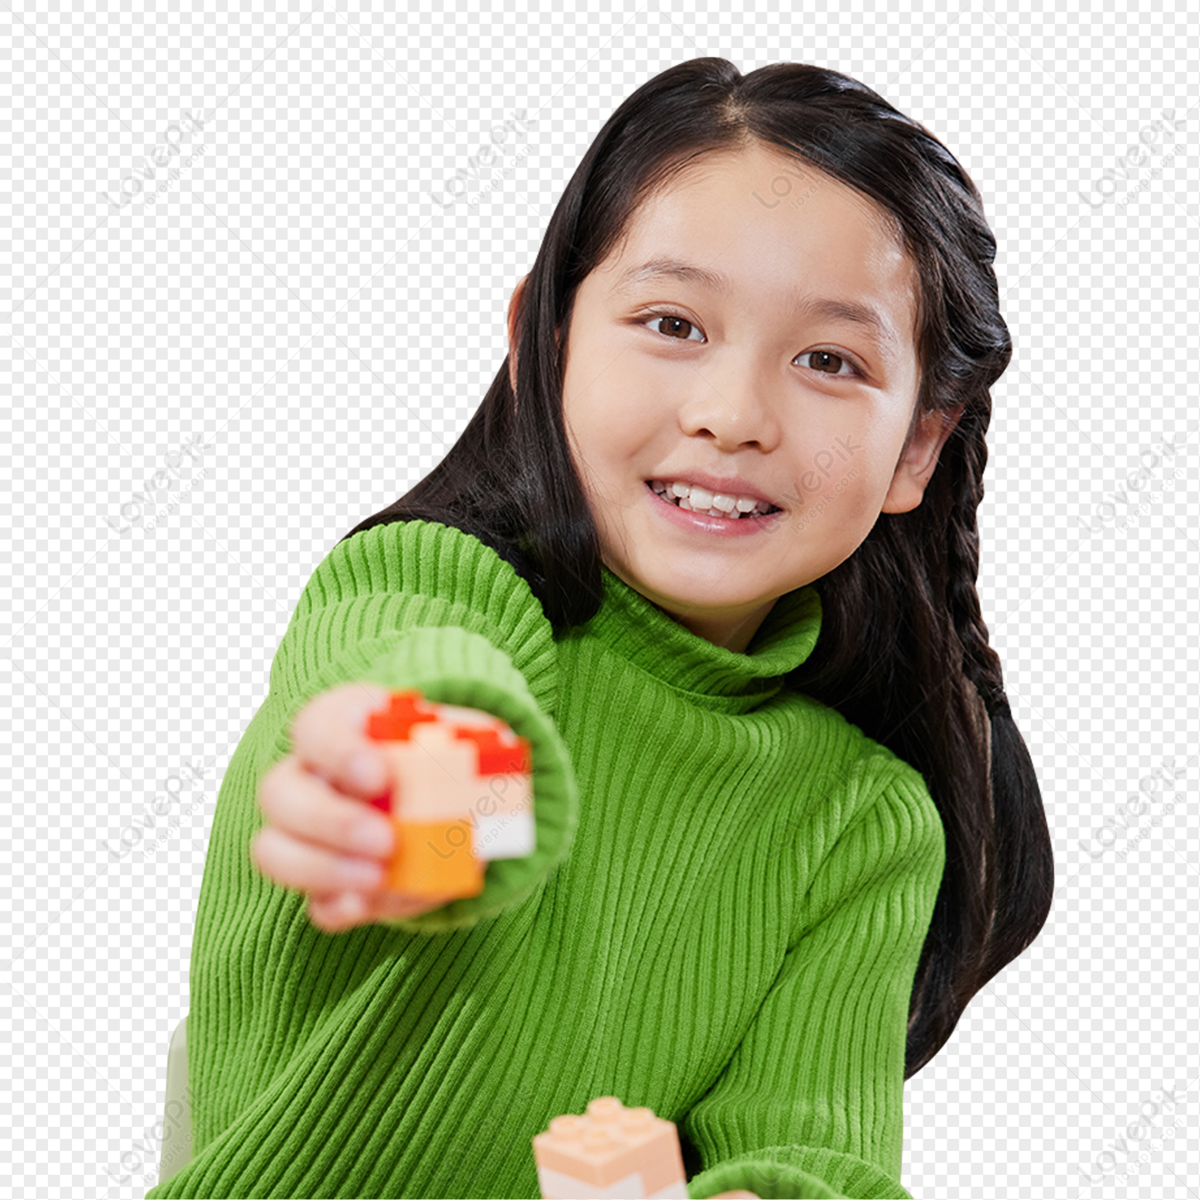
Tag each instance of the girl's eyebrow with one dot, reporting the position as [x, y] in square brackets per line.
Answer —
[864, 315]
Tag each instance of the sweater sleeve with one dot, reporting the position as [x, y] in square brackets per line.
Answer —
[810, 1102]
[418, 604]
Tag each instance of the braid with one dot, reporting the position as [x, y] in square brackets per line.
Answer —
[980, 663]
[1017, 850]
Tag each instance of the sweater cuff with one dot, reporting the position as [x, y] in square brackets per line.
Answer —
[797, 1171]
[451, 665]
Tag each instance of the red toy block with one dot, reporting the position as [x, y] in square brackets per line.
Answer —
[610, 1151]
[450, 774]
[497, 759]
[404, 710]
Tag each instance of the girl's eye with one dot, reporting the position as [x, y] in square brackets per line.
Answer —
[829, 363]
[826, 362]
[672, 322]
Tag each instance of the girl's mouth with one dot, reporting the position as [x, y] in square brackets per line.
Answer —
[739, 511]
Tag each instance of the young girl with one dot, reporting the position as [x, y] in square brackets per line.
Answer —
[710, 544]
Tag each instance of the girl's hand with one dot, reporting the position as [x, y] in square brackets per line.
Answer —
[321, 836]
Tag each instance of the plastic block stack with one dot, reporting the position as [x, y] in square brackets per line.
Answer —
[460, 794]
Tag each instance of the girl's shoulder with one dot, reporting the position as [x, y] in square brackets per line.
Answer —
[421, 557]
[418, 573]
[865, 771]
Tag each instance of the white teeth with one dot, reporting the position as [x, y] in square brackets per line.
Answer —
[696, 499]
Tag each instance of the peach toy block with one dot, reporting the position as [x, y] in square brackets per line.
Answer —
[460, 794]
[610, 1151]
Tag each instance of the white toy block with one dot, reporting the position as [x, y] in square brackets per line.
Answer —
[610, 1151]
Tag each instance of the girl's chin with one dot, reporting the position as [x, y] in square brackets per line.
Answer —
[707, 595]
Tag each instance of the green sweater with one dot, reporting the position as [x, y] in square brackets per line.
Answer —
[722, 920]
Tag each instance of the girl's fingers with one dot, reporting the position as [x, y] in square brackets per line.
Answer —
[329, 738]
[335, 912]
[304, 806]
[307, 868]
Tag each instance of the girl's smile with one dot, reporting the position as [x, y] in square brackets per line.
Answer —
[730, 523]
[755, 353]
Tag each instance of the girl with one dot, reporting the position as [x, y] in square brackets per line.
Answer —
[710, 544]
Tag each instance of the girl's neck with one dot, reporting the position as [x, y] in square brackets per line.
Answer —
[734, 638]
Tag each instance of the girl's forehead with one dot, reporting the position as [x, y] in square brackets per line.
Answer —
[790, 179]
[723, 196]
[753, 223]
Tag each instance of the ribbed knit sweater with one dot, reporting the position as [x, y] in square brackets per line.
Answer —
[722, 919]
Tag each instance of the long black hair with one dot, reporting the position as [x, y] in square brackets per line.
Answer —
[903, 652]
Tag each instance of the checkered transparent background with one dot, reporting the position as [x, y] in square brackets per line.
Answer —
[216, 373]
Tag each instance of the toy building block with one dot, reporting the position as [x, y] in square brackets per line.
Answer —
[459, 794]
[610, 1151]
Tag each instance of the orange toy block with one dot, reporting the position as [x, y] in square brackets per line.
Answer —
[610, 1151]
[459, 794]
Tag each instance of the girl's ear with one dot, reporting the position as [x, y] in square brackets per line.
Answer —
[920, 458]
[516, 310]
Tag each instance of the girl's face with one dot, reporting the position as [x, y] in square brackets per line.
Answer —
[754, 336]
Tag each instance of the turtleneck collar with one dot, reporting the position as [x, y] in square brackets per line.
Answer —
[715, 677]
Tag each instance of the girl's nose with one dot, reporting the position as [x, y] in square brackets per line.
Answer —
[734, 414]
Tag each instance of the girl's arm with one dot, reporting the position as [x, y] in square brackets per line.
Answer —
[420, 605]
